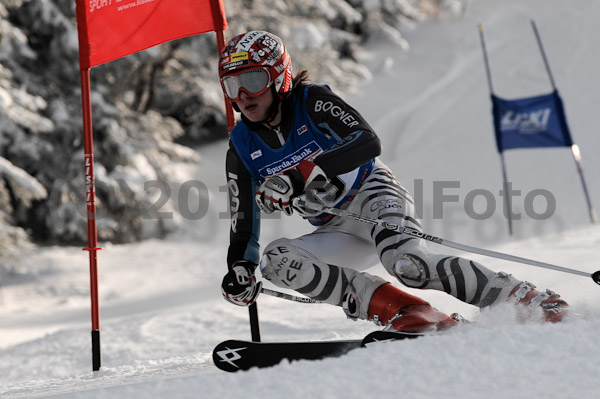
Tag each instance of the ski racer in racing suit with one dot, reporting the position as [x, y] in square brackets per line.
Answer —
[302, 140]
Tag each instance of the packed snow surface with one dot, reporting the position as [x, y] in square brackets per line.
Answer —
[160, 301]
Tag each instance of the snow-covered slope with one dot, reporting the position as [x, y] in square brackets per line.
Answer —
[161, 307]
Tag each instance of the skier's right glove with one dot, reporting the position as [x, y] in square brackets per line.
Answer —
[277, 192]
[239, 284]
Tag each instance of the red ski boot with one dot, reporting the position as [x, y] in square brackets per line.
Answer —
[529, 300]
[401, 311]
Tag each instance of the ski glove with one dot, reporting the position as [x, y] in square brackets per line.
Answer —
[277, 192]
[239, 284]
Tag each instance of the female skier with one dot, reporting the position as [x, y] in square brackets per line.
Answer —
[297, 139]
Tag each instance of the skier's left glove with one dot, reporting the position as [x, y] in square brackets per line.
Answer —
[239, 284]
[277, 192]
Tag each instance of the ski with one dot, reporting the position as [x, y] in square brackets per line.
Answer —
[235, 355]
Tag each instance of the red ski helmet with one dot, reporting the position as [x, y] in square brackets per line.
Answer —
[253, 62]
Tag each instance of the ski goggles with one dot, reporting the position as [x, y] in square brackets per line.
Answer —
[253, 81]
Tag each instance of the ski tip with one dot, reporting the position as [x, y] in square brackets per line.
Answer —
[596, 277]
[227, 355]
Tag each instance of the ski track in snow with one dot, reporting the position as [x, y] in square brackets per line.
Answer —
[160, 302]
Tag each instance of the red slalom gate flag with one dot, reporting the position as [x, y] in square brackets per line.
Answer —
[110, 29]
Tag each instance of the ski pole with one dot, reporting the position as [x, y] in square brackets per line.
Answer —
[294, 298]
[300, 203]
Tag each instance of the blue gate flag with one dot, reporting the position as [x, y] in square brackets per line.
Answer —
[530, 122]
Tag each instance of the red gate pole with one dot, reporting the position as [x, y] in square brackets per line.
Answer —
[90, 200]
[228, 107]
